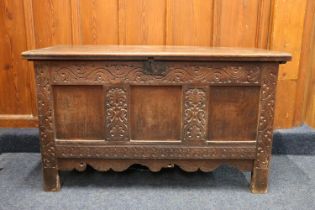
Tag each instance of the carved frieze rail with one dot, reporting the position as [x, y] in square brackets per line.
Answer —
[133, 73]
[156, 152]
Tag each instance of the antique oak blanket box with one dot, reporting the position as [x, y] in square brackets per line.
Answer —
[195, 107]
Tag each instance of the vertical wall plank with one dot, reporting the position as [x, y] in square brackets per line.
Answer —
[309, 112]
[30, 37]
[189, 22]
[235, 23]
[141, 21]
[278, 24]
[286, 35]
[264, 23]
[7, 74]
[304, 83]
[75, 21]
[52, 22]
[287, 32]
[285, 101]
[98, 21]
[15, 88]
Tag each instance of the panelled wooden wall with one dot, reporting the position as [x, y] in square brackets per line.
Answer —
[274, 24]
[307, 68]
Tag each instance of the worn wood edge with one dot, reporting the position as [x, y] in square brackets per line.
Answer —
[51, 180]
[159, 52]
[282, 59]
[119, 165]
[259, 176]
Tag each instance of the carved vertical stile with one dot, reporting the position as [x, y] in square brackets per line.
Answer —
[46, 128]
[266, 115]
[265, 129]
[45, 115]
[195, 115]
[116, 114]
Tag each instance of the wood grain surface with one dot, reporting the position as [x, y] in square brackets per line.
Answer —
[79, 113]
[155, 112]
[144, 52]
[233, 113]
[274, 24]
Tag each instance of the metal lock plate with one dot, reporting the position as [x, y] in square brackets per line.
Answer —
[152, 67]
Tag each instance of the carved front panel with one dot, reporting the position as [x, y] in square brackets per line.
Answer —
[132, 107]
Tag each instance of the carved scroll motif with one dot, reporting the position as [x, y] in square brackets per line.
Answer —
[132, 73]
[265, 127]
[195, 114]
[116, 114]
[45, 116]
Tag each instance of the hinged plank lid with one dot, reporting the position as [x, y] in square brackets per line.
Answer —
[134, 52]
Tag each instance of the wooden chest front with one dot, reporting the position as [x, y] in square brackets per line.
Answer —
[194, 113]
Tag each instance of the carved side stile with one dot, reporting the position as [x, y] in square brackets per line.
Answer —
[45, 116]
[46, 128]
[259, 182]
[266, 117]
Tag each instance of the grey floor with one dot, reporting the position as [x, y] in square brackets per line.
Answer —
[292, 186]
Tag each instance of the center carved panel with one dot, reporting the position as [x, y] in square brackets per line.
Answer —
[116, 114]
[195, 114]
